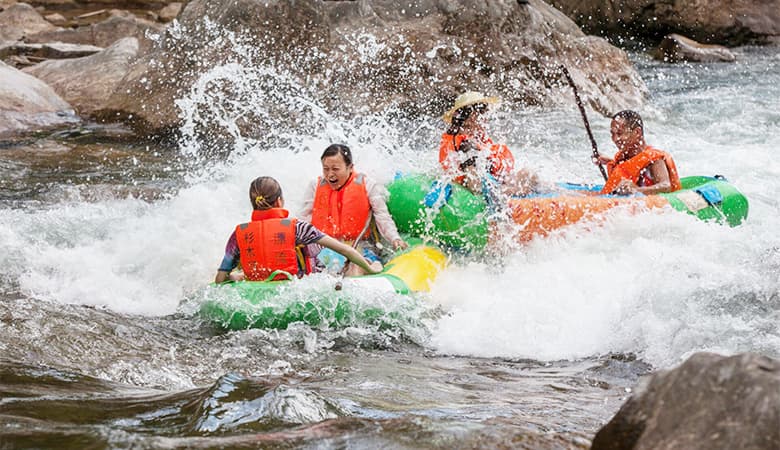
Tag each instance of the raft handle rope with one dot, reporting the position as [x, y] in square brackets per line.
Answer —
[279, 272]
[595, 154]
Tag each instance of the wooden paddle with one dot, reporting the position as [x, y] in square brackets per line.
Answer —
[595, 154]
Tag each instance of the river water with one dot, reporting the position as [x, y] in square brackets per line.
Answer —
[106, 244]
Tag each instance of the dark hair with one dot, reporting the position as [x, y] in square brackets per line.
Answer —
[263, 192]
[460, 116]
[338, 149]
[631, 118]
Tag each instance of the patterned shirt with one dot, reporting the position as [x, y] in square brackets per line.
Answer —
[305, 234]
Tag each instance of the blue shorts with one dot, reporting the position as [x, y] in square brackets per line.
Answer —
[370, 255]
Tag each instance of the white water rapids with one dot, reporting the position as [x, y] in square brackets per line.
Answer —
[661, 285]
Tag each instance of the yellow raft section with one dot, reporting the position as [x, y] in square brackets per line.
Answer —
[418, 268]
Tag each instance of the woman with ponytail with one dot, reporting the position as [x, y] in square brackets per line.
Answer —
[272, 241]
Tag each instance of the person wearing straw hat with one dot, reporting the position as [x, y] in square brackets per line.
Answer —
[467, 152]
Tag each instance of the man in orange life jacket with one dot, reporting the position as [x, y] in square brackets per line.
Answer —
[343, 202]
[272, 241]
[636, 167]
[472, 157]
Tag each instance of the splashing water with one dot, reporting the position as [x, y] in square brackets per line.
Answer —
[629, 284]
[103, 269]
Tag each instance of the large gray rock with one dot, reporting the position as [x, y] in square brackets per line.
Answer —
[103, 34]
[28, 104]
[710, 402]
[94, 4]
[727, 22]
[88, 82]
[20, 20]
[364, 56]
[676, 48]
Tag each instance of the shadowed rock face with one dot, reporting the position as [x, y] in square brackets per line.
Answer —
[726, 22]
[709, 402]
[676, 48]
[364, 56]
[71, 4]
[102, 34]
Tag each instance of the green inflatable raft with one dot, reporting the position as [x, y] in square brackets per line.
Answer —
[424, 206]
[321, 300]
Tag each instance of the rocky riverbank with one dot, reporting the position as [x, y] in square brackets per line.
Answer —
[94, 61]
[415, 59]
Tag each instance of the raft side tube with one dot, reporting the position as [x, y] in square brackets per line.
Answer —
[456, 218]
[250, 304]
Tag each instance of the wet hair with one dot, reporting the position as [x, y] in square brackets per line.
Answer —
[338, 149]
[263, 192]
[460, 116]
[631, 118]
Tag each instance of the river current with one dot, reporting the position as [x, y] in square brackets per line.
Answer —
[106, 244]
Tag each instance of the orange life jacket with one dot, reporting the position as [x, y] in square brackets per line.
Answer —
[502, 162]
[341, 213]
[634, 169]
[267, 243]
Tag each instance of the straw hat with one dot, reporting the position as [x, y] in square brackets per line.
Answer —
[466, 99]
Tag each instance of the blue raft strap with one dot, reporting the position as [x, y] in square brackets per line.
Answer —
[710, 193]
[580, 186]
[438, 195]
[490, 188]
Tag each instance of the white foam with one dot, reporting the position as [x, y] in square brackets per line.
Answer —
[661, 284]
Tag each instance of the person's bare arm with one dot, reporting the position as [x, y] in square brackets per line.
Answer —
[660, 175]
[221, 277]
[601, 159]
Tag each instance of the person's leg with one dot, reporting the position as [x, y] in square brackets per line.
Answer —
[521, 183]
[372, 258]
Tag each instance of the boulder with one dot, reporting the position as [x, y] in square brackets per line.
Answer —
[86, 83]
[93, 4]
[710, 402]
[20, 20]
[676, 48]
[169, 12]
[727, 22]
[56, 19]
[28, 104]
[120, 25]
[54, 3]
[370, 55]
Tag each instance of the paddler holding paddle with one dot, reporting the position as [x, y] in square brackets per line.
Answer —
[636, 167]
